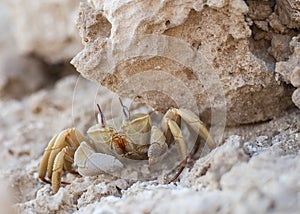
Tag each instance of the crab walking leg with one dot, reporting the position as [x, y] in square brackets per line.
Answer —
[68, 166]
[59, 144]
[177, 134]
[76, 138]
[158, 145]
[43, 166]
[169, 115]
[197, 125]
[68, 137]
[196, 147]
[57, 170]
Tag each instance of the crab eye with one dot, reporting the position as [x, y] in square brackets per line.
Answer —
[100, 117]
[125, 110]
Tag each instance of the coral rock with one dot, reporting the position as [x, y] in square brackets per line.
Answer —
[289, 12]
[187, 54]
[296, 97]
[295, 77]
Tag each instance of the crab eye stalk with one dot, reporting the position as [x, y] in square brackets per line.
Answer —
[125, 110]
[100, 117]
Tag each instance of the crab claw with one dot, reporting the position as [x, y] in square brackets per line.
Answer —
[91, 163]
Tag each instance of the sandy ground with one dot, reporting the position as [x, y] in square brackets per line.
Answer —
[257, 169]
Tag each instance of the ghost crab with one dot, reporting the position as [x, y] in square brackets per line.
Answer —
[133, 137]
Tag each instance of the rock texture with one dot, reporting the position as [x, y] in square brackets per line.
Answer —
[296, 97]
[203, 55]
[260, 175]
[241, 186]
[254, 171]
[290, 71]
[191, 52]
[45, 28]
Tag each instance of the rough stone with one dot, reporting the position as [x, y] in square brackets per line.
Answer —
[199, 58]
[254, 170]
[275, 23]
[289, 70]
[208, 171]
[280, 49]
[289, 14]
[295, 77]
[45, 28]
[257, 174]
[285, 68]
[260, 10]
[296, 97]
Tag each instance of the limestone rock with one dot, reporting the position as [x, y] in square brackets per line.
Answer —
[228, 180]
[208, 171]
[265, 183]
[182, 53]
[296, 97]
[295, 77]
[289, 70]
[289, 13]
[285, 68]
[45, 28]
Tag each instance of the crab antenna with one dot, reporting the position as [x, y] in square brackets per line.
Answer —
[125, 110]
[100, 117]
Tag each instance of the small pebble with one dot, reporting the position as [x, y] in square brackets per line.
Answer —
[296, 97]
[295, 77]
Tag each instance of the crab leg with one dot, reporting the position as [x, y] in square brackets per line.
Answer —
[171, 127]
[68, 166]
[59, 144]
[57, 170]
[43, 166]
[60, 148]
[158, 145]
[68, 137]
[177, 134]
[196, 124]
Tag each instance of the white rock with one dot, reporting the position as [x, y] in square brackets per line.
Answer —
[46, 28]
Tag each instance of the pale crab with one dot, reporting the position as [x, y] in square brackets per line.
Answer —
[133, 137]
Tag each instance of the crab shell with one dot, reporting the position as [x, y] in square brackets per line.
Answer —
[118, 138]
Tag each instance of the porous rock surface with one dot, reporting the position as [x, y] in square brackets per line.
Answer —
[290, 70]
[258, 175]
[203, 55]
[255, 170]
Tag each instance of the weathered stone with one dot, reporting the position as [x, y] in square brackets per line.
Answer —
[45, 28]
[289, 12]
[275, 23]
[285, 68]
[256, 169]
[280, 47]
[295, 77]
[296, 97]
[289, 70]
[259, 10]
[185, 54]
